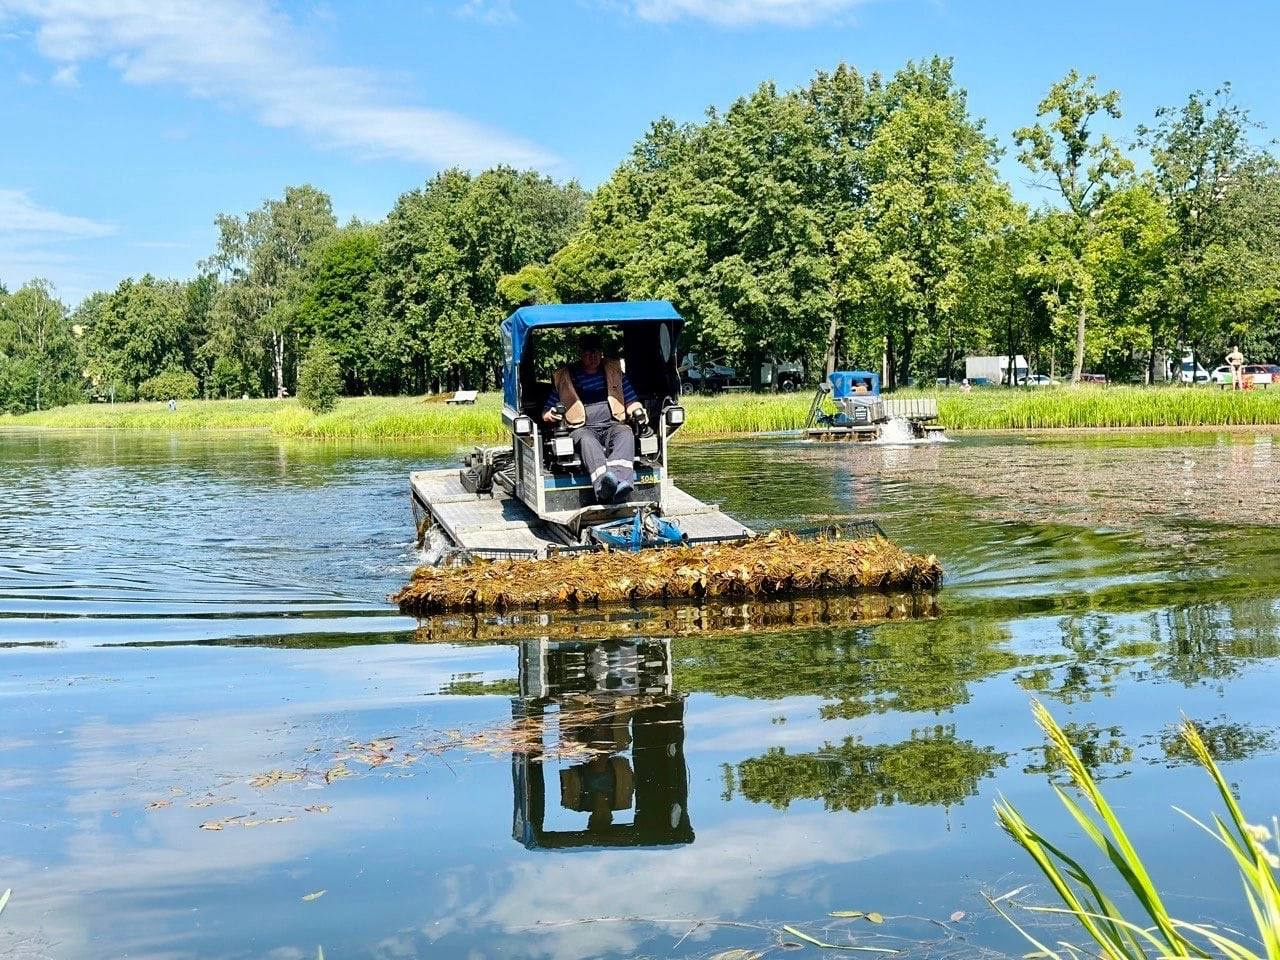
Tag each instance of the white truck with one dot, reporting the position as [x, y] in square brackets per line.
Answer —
[994, 371]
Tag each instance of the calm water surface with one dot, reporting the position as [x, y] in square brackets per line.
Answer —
[209, 713]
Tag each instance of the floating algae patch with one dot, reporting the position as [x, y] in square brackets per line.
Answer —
[678, 618]
[776, 565]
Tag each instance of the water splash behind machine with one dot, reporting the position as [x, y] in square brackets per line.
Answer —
[848, 406]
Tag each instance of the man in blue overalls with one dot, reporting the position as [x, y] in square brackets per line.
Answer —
[598, 398]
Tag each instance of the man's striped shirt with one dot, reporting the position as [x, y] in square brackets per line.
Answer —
[592, 388]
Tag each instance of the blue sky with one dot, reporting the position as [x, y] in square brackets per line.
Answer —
[127, 125]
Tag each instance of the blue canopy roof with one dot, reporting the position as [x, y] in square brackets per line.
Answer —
[583, 314]
[515, 329]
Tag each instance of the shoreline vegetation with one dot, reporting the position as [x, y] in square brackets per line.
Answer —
[725, 415]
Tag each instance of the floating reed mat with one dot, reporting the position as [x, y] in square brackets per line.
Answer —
[778, 564]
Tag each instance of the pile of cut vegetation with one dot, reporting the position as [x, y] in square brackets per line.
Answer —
[775, 565]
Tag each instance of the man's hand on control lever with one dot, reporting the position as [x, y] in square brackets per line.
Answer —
[641, 419]
[555, 414]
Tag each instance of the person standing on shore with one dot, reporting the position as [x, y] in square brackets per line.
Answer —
[1235, 359]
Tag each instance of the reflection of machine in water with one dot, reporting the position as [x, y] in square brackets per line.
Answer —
[613, 697]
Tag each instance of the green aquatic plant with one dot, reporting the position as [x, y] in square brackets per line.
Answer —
[1155, 932]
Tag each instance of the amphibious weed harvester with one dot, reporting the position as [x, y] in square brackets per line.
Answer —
[848, 406]
[533, 498]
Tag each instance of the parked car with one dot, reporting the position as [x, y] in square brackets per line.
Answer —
[706, 376]
[1221, 376]
[1260, 374]
[1098, 379]
[1038, 380]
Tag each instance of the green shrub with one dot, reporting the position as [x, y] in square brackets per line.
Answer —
[172, 384]
[319, 378]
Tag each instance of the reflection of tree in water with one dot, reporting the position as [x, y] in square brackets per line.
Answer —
[1097, 655]
[933, 768]
[1226, 739]
[1213, 641]
[474, 685]
[899, 666]
[1100, 749]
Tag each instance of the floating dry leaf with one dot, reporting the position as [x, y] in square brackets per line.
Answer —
[374, 753]
[336, 773]
[779, 564]
[847, 913]
[269, 779]
[158, 804]
[223, 823]
[261, 823]
[875, 917]
[209, 800]
[958, 915]
[314, 896]
[737, 953]
[318, 808]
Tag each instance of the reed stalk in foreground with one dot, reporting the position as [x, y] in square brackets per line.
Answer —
[1153, 932]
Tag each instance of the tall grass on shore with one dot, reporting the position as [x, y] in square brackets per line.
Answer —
[1089, 406]
[385, 418]
[1151, 931]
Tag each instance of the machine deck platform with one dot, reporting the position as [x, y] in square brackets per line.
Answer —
[501, 525]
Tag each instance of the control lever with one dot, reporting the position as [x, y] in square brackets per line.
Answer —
[640, 420]
[562, 427]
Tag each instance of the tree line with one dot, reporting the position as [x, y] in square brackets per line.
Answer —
[859, 211]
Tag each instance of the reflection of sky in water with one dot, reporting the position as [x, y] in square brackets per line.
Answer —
[841, 768]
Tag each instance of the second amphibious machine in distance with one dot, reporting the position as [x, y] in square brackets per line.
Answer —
[848, 406]
[532, 498]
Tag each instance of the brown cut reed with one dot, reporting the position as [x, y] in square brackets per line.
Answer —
[778, 564]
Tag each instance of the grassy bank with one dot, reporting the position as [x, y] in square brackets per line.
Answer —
[390, 417]
[1083, 407]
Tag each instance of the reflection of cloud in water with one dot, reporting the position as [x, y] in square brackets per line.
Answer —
[721, 875]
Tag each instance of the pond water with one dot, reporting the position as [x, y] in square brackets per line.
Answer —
[209, 714]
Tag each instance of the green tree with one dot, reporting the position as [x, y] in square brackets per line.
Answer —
[446, 246]
[259, 259]
[1215, 182]
[134, 333]
[933, 223]
[38, 352]
[1128, 257]
[319, 378]
[1084, 168]
[337, 300]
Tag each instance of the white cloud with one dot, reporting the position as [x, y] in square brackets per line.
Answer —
[29, 238]
[743, 13]
[19, 214]
[246, 53]
[490, 11]
[67, 76]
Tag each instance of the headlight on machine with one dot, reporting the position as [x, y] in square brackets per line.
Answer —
[562, 447]
[649, 446]
[522, 426]
[675, 416]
